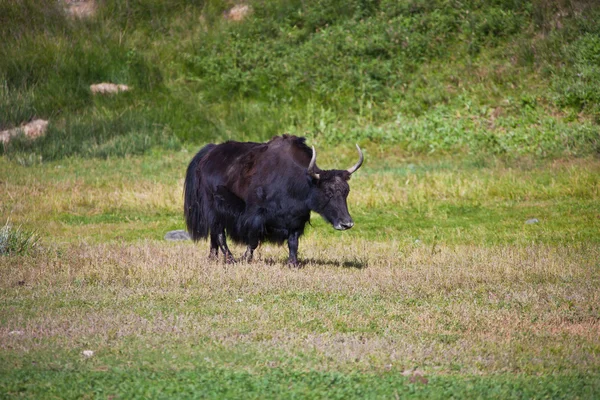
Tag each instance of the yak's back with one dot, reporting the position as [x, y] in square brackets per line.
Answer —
[237, 165]
[291, 147]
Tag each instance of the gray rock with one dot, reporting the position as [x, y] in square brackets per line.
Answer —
[108, 88]
[32, 130]
[177, 235]
[532, 221]
[88, 353]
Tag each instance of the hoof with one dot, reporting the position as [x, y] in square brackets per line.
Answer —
[229, 259]
[247, 257]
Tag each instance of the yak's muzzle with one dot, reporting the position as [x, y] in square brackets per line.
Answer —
[342, 226]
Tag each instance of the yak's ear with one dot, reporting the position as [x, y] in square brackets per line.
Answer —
[314, 178]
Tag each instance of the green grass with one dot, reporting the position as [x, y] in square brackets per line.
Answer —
[441, 274]
[208, 382]
[424, 199]
[515, 79]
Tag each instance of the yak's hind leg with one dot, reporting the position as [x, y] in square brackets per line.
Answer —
[218, 239]
[253, 226]
[229, 207]
[229, 259]
[214, 247]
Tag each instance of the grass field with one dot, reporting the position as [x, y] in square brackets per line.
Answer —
[441, 288]
[473, 270]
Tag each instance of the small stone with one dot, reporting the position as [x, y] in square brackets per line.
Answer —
[32, 130]
[238, 12]
[532, 221]
[87, 353]
[108, 88]
[239, 300]
[174, 236]
[16, 333]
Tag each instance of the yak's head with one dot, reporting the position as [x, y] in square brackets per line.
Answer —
[330, 192]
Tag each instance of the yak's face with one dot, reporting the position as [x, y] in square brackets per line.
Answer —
[329, 198]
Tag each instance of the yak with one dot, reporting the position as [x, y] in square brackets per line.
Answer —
[256, 192]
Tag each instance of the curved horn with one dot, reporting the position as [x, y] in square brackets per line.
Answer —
[313, 164]
[359, 163]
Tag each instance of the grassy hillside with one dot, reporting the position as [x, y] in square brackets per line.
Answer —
[500, 77]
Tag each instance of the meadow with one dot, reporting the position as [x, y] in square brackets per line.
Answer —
[472, 271]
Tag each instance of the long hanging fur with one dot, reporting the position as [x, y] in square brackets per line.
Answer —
[258, 192]
[193, 208]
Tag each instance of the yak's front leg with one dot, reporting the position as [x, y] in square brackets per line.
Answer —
[293, 246]
[249, 253]
[252, 245]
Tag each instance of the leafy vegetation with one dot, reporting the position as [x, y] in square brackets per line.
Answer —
[503, 77]
[211, 383]
[16, 241]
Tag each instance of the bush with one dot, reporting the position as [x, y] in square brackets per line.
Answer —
[16, 241]
[577, 83]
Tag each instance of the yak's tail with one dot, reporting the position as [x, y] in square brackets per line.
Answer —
[193, 202]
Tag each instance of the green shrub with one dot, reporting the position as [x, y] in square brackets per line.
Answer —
[577, 84]
[16, 241]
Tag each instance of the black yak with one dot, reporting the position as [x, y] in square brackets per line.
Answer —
[254, 192]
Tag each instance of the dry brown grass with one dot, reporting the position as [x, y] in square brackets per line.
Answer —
[354, 304]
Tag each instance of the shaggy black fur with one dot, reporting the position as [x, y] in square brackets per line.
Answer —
[254, 192]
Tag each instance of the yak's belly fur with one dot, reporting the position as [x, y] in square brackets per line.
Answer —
[267, 222]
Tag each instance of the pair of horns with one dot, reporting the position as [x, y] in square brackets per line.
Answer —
[312, 166]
